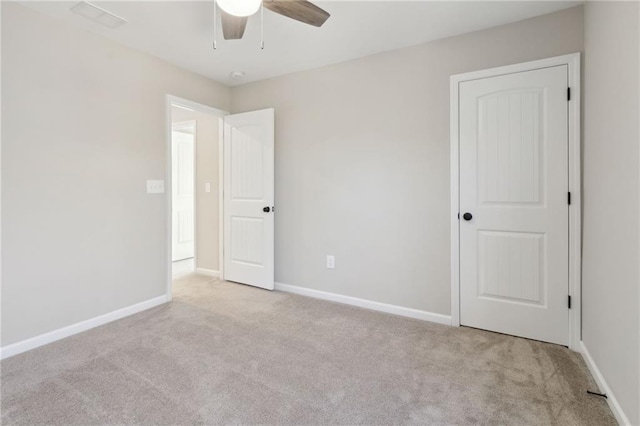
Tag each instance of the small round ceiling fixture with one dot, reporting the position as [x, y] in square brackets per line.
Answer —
[237, 75]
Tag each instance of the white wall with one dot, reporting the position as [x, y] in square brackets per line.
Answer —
[83, 128]
[611, 243]
[207, 170]
[362, 160]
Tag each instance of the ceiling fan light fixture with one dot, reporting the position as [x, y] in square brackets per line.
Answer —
[241, 8]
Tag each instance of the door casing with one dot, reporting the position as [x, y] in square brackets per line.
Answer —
[575, 235]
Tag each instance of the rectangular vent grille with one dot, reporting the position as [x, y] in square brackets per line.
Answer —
[97, 14]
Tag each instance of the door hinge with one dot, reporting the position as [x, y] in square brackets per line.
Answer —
[569, 198]
[569, 301]
[568, 93]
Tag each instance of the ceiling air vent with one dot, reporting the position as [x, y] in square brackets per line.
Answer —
[98, 14]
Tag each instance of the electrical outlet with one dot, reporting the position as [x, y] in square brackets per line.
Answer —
[331, 262]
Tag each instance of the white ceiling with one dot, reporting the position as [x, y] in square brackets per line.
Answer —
[182, 32]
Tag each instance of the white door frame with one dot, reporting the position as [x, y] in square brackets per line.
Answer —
[575, 234]
[170, 101]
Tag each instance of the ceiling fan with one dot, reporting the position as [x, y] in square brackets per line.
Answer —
[235, 13]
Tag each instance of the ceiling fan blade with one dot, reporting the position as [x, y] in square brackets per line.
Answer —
[233, 26]
[300, 10]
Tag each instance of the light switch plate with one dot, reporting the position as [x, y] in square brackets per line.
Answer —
[331, 262]
[155, 187]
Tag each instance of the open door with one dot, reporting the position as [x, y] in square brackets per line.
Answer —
[183, 208]
[248, 198]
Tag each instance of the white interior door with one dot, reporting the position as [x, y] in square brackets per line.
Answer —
[514, 249]
[183, 210]
[248, 198]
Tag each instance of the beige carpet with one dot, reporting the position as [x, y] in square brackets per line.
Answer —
[224, 353]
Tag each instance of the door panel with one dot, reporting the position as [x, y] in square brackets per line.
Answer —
[183, 209]
[249, 188]
[511, 266]
[514, 250]
[509, 145]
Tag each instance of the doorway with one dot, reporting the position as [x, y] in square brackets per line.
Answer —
[232, 187]
[515, 191]
[194, 176]
[183, 176]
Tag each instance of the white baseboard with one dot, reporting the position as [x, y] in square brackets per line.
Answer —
[604, 388]
[208, 272]
[79, 327]
[367, 304]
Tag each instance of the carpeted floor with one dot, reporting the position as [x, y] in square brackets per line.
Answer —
[225, 353]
